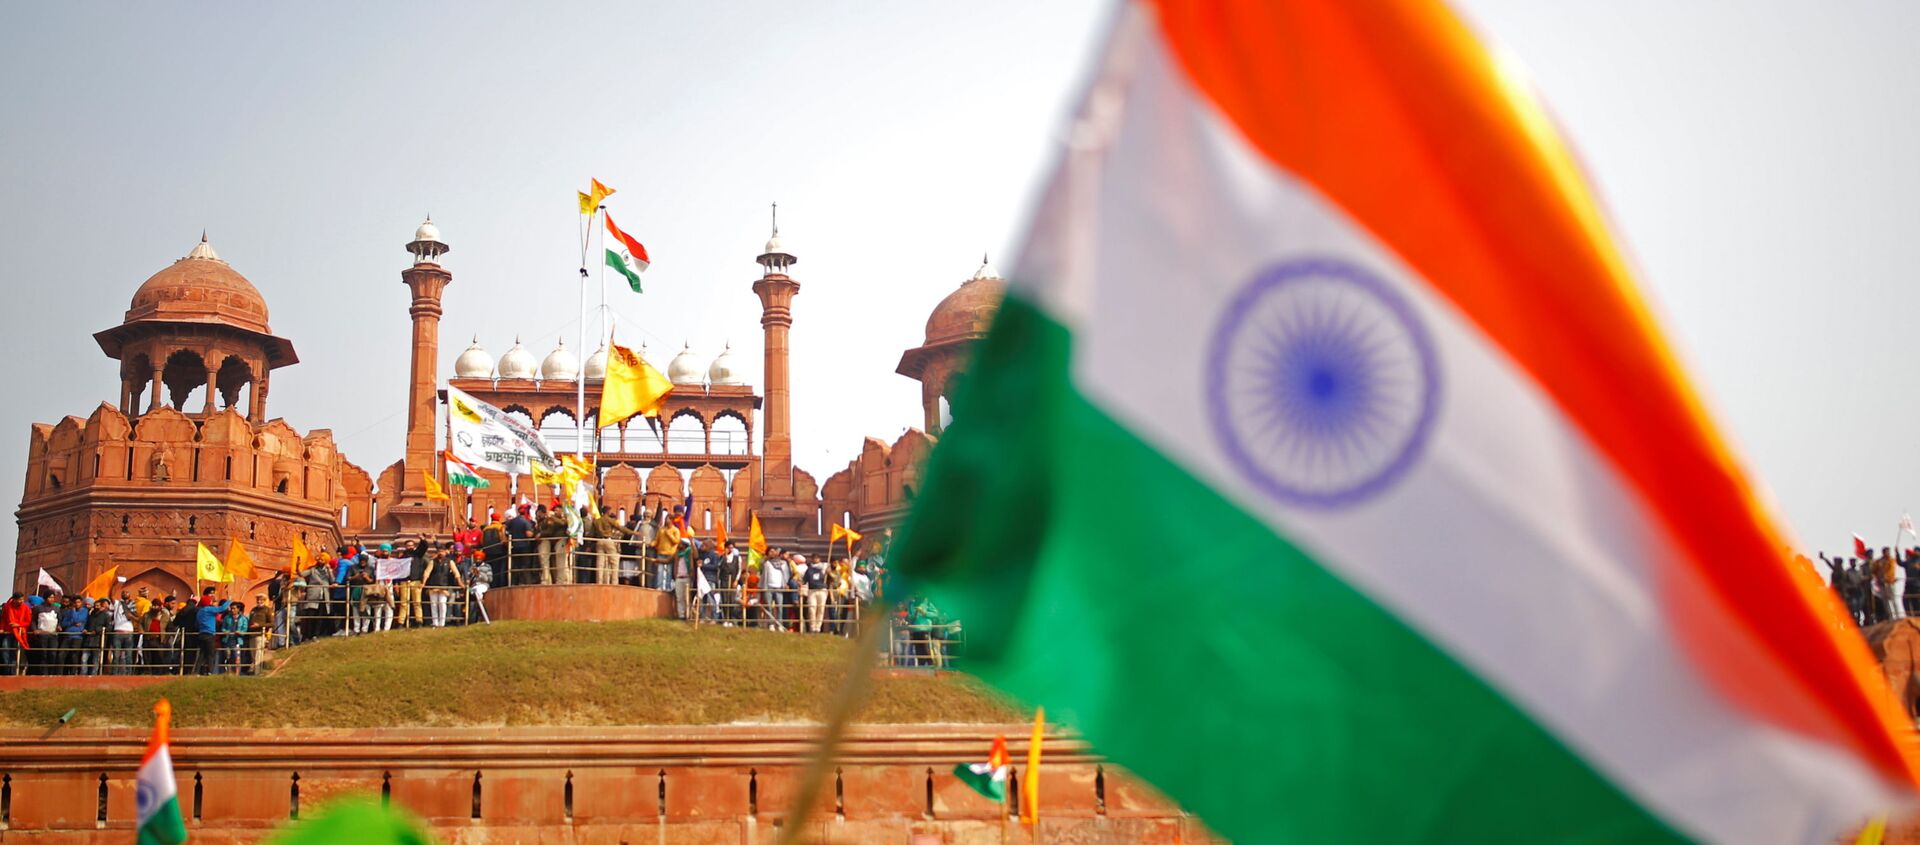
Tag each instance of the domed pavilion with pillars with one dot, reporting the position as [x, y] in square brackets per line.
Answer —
[875, 489]
[956, 324]
[139, 484]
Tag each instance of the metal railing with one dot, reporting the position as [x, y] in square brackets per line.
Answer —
[114, 653]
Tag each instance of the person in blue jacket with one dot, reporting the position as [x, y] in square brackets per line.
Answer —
[208, 618]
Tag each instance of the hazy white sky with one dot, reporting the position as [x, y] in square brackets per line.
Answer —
[1758, 159]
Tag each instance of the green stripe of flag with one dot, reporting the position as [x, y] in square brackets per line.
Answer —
[165, 826]
[1237, 674]
[619, 265]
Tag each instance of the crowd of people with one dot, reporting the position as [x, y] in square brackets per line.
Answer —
[360, 589]
[1876, 588]
[49, 633]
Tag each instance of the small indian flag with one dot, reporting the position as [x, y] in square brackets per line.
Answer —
[989, 778]
[156, 804]
[462, 474]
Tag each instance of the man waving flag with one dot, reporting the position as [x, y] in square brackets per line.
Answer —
[1321, 275]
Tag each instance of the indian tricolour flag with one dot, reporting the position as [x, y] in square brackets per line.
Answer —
[1318, 281]
[155, 802]
[463, 474]
[989, 778]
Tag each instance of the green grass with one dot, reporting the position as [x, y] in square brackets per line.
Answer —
[529, 673]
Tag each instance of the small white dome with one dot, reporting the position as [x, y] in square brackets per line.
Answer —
[474, 363]
[427, 231]
[560, 365]
[722, 370]
[987, 270]
[517, 363]
[204, 250]
[773, 246]
[596, 368]
[684, 369]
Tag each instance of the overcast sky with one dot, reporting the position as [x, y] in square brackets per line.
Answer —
[1758, 159]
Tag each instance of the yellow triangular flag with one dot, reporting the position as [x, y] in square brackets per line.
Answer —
[756, 540]
[590, 202]
[301, 559]
[239, 564]
[102, 585]
[206, 567]
[434, 490]
[632, 386]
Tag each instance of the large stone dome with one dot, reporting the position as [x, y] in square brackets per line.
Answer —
[967, 312]
[200, 288]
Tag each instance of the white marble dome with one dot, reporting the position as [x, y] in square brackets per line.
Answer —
[685, 368]
[561, 365]
[987, 271]
[596, 366]
[474, 363]
[723, 371]
[428, 232]
[518, 362]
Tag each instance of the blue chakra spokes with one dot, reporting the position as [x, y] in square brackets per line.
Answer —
[1323, 384]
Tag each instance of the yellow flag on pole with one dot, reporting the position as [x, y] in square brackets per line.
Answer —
[756, 539]
[590, 201]
[206, 567]
[102, 585]
[301, 559]
[434, 490]
[1030, 785]
[239, 564]
[632, 386]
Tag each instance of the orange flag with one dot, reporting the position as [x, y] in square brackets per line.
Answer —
[239, 564]
[1030, 785]
[102, 585]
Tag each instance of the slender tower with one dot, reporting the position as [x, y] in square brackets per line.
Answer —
[426, 279]
[779, 510]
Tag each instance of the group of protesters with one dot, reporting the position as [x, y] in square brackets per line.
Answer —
[1876, 588]
[368, 588]
[51, 633]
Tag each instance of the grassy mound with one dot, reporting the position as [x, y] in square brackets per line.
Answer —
[529, 673]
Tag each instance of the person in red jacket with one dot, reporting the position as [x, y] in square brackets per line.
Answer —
[15, 618]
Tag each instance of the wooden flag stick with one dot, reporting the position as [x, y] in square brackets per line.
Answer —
[853, 690]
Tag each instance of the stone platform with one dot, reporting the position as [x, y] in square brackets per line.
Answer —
[601, 602]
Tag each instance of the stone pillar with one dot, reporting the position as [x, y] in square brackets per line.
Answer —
[426, 280]
[159, 390]
[257, 398]
[776, 291]
[213, 390]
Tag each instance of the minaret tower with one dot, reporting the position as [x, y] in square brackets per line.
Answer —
[426, 279]
[780, 513]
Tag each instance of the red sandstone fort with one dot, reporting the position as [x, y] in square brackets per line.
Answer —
[187, 452]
